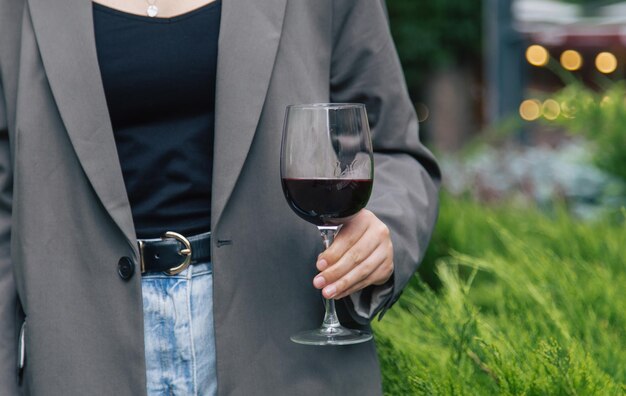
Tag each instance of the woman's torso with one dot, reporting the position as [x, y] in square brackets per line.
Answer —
[159, 80]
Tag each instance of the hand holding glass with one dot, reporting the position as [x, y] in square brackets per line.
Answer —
[327, 171]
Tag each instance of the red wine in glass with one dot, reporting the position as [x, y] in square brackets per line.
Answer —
[326, 168]
[326, 201]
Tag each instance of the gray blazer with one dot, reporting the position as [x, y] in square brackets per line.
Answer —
[65, 220]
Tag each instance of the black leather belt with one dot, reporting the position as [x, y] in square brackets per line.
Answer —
[173, 253]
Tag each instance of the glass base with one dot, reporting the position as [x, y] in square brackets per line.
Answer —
[331, 336]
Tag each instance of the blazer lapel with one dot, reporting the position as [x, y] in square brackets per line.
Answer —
[65, 34]
[249, 37]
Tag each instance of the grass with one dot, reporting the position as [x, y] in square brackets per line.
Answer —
[523, 303]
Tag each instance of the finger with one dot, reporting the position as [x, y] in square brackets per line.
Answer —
[376, 234]
[378, 277]
[350, 233]
[359, 286]
[357, 274]
[361, 251]
[375, 230]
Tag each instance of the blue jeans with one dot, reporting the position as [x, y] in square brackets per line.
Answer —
[178, 332]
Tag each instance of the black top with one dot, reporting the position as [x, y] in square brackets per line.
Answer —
[159, 81]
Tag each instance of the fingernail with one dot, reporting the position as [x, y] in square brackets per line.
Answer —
[319, 282]
[322, 265]
[330, 291]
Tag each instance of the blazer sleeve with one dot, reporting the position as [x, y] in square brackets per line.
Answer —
[365, 68]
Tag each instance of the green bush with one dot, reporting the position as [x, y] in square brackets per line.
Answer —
[529, 304]
[600, 117]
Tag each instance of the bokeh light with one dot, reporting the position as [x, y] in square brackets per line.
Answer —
[567, 110]
[606, 62]
[530, 109]
[606, 101]
[551, 109]
[571, 60]
[537, 55]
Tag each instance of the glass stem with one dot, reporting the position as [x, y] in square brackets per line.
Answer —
[331, 322]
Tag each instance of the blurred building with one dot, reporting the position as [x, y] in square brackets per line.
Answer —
[527, 40]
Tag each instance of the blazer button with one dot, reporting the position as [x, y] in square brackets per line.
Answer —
[125, 268]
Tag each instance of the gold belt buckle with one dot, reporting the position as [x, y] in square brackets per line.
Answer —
[185, 251]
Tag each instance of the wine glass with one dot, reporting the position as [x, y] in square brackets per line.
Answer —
[327, 170]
